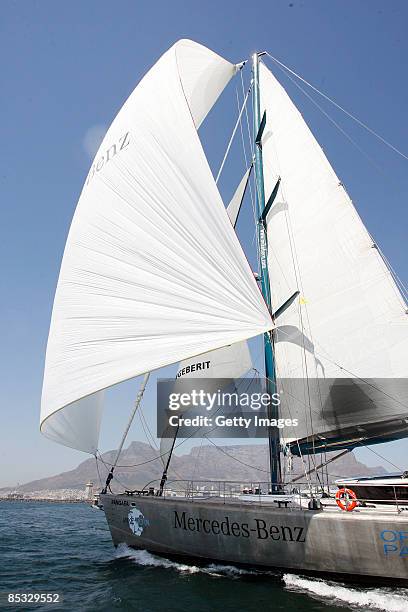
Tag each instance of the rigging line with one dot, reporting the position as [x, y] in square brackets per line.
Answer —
[309, 403]
[235, 458]
[371, 385]
[256, 181]
[250, 138]
[252, 180]
[146, 431]
[314, 469]
[397, 285]
[381, 457]
[232, 136]
[106, 464]
[242, 131]
[358, 121]
[192, 435]
[114, 476]
[153, 458]
[327, 471]
[255, 236]
[261, 469]
[255, 372]
[165, 453]
[153, 439]
[150, 438]
[334, 122]
[147, 460]
[400, 284]
[353, 374]
[97, 469]
[197, 460]
[307, 474]
[304, 405]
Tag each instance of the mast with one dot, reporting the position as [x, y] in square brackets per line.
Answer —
[273, 432]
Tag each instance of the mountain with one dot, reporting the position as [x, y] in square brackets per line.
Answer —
[233, 463]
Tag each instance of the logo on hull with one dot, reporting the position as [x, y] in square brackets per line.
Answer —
[137, 522]
[395, 542]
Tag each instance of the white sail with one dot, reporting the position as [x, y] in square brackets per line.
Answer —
[350, 319]
[229, 363]
[234, 206]
[152, 271]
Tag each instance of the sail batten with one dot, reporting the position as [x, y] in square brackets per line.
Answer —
[350, 320]
[152, 272]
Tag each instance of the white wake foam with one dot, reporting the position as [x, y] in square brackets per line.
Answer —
[385, 599]
[229, 570]
[142, 557]
[388, 600]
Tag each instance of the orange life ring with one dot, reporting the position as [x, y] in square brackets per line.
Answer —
[346, 499]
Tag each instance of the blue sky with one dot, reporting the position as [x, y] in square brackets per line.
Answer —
[66, 70]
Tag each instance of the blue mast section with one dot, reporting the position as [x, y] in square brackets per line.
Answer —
[273, 432]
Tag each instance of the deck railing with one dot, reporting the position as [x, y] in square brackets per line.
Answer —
[299, 494]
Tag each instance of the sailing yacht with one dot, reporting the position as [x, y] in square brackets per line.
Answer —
[154, 274]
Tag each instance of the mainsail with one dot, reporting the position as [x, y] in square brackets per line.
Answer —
[350, 320]
[152, 272]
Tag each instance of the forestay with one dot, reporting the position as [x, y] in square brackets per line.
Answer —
[152, 271]
[350, 320]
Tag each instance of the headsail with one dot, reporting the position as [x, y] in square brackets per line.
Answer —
[229, 363]
[235, 204]
[152, 271]
[350, 320]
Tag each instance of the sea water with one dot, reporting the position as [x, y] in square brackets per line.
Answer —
[67, 549]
